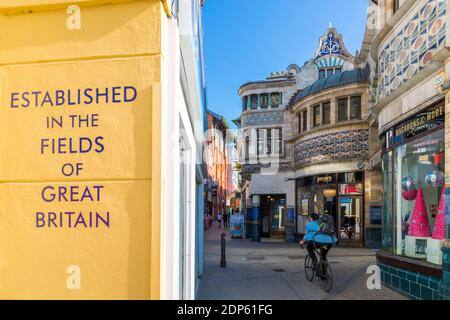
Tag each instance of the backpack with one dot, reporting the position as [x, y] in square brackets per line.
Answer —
[325, 226]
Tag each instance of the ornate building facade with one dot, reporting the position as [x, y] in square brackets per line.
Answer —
[306, 145]
[410, 56]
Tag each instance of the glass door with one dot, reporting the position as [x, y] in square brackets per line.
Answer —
[277, 217]
[350, 219]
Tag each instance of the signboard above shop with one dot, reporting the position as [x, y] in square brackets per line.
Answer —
[424, 121]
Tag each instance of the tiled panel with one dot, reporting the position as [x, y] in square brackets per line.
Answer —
[414, 285]
[412, 46]
[352, 144]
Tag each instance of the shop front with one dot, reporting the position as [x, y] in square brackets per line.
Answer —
[340, 195]
[414, 203]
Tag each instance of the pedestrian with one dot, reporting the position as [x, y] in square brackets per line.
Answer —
[225, 220]
[219, 219]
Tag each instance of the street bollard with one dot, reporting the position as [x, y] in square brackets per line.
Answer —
[223, 261]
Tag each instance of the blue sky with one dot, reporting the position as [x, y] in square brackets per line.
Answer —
[245, 40]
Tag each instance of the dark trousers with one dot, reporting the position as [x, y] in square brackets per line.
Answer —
[323, 251]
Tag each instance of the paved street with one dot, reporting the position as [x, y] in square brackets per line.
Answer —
[267, 271]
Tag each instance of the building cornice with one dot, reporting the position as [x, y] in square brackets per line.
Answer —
[261, 85]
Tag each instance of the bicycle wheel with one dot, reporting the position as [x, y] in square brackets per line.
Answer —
[309, 268]
[326, 276]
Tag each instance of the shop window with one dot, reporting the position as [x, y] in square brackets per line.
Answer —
[305, 120]
[355, 108]
[418, 198]
[244, 103]
[275, 100]
[343, 109]
[326, 110]
[316, 116]
[254, 101]
[338, 71]
[264, 101]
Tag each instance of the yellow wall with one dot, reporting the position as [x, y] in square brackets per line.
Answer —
[119, 45]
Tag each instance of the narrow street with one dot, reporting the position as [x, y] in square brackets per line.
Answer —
[274, 271]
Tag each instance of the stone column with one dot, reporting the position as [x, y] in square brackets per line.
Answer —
[256, 219]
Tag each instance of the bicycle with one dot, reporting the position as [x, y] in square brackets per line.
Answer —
[322, 269]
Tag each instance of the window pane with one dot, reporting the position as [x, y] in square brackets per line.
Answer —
[343, 109]
[330, 72]
[260, 138]
[276, 100]
[269, 142]
[247, 148]
[254, 100]
[299, 123]
[321, 74]
[264, 101]
[280, 141]
[244, 103]
[338, 71]
[355, 108]
[305, 120]
[326, 110]
[316, 116]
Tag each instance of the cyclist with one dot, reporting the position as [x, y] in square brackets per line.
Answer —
[315, 238]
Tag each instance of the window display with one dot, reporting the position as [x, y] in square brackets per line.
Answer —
[419, 201]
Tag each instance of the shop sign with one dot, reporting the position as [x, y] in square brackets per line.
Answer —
[237, 167]
[325, 179]
[422, 122]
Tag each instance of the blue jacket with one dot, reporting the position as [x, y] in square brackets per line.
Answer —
[312, 228]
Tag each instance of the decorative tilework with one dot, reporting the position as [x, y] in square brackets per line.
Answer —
[263, 118]
[412, 46]
[347, 145]
[330, 45]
